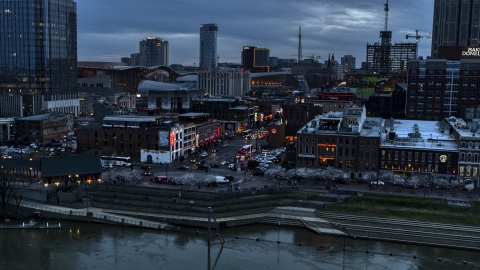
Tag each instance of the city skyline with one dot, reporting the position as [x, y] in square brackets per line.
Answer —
[328, 27]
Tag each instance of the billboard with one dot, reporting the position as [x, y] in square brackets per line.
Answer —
[163, 138]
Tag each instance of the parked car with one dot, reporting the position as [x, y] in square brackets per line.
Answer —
[282, 176]
[182, 167]
[342, 181]
[410, 186]
[377, 182]
[447, 187]
[423, 185]
[277, 160]
[360, 181]
[214, 165]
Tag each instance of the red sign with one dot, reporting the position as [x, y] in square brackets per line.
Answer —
[172, 138]
[274, 130]
[218, 131]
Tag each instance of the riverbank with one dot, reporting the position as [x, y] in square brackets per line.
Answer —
[265, 209]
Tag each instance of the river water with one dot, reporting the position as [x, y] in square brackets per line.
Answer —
[97, 246]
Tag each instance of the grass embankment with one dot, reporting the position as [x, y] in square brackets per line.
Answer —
[410, 208]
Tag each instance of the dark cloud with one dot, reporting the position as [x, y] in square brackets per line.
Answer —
[110, 29]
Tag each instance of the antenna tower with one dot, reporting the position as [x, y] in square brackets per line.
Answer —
[299, 44]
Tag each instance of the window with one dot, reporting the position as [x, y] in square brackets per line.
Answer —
[300, 149]
[300, 139]
[429, 157]
[340, 152]
[346, 152]
[396, 155]
[367, 154]
[306, 138]
[416, 156]
[353, 152]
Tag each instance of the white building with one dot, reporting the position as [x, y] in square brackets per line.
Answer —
[224, 82]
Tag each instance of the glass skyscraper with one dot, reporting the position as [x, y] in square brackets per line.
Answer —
[455, 23]
[208, 46]
[38, 57]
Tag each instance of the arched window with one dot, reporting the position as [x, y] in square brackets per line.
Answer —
[475, 159]
[469, 157]
[353, 142]
[340, 141]
[353, 152]
[464, 144]
[346, 141]
[462, 157]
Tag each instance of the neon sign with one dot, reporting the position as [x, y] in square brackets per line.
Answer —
[172, 138]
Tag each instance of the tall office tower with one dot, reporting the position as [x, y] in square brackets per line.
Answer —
[38, 57]
[256, 59]
[348, 61]
[208, 46]
[153, 52]
[455, 23]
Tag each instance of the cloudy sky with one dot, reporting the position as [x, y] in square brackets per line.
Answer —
[111, 29]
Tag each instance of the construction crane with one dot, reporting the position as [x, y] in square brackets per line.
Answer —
[315, 57]
[386, 15]
[417, 36]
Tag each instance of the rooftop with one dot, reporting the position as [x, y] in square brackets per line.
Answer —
[418, 134]
[40, 117]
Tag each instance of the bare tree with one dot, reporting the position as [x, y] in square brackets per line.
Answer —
[7, 187]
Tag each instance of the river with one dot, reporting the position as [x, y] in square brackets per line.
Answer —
[97, 246]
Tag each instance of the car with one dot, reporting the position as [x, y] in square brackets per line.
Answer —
[41, 148]
[225, 145]
[204, 155]
[360, 181]
[200, 162]
[223, 163]
[423, 185]
[231, 166]
[52, 149]
[282, 176]
[145, 167]
[62, 150]
[74, 150]
[214, 165]
[258, 172]
[203, 167]
[146, 173]
[214, 150]
[410, 186]
[283, 149]
[277, 160]
[229, 177]
[182, 167]
[447, 187]
[193, 160]
[377, 183]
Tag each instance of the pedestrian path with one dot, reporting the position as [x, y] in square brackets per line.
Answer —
[144, 219]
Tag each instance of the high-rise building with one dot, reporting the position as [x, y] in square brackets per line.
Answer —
[256, 59]
[440, 88]
[153, 52]
[455, 23]
[208, 46]
[348, 61]
[38, 57]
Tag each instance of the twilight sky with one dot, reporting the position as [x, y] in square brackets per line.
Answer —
[111, 29]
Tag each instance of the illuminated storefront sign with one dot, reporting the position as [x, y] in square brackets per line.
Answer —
[172, 138]
[471, 51]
